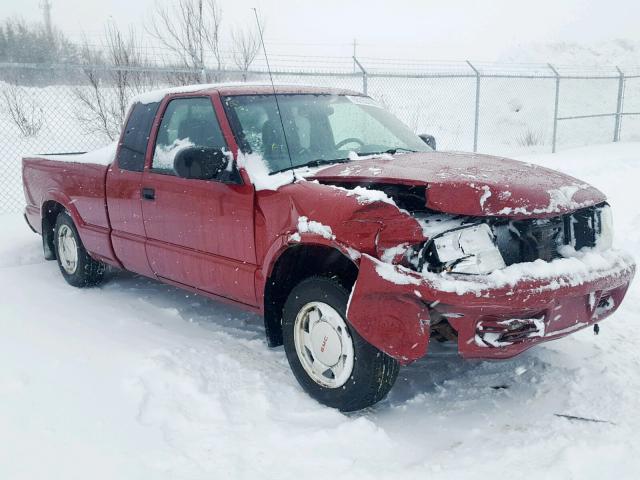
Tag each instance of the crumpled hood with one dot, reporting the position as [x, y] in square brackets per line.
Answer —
[471, 184]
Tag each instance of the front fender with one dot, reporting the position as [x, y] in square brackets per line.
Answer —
[288, 240]
[392, 317]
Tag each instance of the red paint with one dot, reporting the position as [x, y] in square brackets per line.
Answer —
[200, 233]
[391, 317]
[125, 216]
[223, 240]
[456, 182]
[81, 189]
[393, 332]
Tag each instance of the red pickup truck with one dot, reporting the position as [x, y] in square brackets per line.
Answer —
[355, 239]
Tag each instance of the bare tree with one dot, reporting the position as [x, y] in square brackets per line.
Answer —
[246, 44]
[189, 29]
[113, 78]
[97, 114]
[25, 112]
[124, 52]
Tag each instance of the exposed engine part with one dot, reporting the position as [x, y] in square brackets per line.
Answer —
[441, 330]
[518, 241]
[406, 197]
[507, 332]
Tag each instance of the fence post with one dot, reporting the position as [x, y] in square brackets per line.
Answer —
[364, 75]
[555, 109]
[476, 122]
[616, 132]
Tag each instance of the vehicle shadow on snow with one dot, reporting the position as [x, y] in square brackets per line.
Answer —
[189, 306]
[21, 255]
[436, 381]
[443, 373]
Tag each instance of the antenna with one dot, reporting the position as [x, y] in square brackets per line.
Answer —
[275, 96]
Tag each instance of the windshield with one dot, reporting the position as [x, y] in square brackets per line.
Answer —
[319, 129]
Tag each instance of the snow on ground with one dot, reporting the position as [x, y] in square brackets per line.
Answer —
[137, 380]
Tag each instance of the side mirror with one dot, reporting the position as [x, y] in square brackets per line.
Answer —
[428, 139]
[200, 163]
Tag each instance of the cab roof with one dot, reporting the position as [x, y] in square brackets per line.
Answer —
[229, 89]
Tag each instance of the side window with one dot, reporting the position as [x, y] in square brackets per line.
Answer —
[136, 136]
[187, 122]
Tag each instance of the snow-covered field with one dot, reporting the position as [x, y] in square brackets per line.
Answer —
[138, 380]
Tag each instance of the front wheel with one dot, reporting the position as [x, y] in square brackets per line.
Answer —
[76, 265]
[330, 360]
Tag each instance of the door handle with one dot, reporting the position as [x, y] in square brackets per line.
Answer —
[148, 193]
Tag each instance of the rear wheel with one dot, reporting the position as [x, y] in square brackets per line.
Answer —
[76, 265]
[330, 360]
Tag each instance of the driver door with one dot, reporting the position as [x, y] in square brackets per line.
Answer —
[199, 232]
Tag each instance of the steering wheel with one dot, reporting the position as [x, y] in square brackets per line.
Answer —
[349, 140]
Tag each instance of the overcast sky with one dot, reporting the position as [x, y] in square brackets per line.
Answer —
[421, 29]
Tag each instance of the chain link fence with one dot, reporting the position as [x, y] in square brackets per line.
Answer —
[490, 108]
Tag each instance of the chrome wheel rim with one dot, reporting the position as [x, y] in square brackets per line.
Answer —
[323, 344]
[67, 249]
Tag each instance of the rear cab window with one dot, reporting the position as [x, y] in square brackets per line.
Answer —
[136, 136]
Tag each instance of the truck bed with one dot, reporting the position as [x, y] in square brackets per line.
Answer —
[77, 181]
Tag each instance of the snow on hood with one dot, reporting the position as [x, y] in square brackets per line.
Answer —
[256, 167]
[470, 184]
[258, 171]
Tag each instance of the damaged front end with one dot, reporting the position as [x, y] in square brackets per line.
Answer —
[495, 285]
[471, 245]
[490, 316]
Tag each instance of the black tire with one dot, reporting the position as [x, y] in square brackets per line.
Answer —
[373, 373]
[88, 272]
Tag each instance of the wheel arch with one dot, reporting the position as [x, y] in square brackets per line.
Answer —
[50, 211]
[52, 206]
[292, 264]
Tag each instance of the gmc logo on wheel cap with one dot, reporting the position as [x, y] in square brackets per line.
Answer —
[324, 343]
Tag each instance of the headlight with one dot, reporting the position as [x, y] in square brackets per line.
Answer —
[467, 250]
[604, 234]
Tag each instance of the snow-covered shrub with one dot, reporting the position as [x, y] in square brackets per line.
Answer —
[530, 138]
[24, 112]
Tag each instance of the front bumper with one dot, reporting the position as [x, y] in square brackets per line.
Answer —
[494, 316]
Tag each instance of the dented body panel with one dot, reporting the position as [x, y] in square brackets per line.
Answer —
[368, 227]
[559, 305]
[473, 184]
[224, 240]
[393, 317]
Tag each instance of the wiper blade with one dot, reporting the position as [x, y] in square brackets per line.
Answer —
[390, 151]
[315, 163]
[322, 161]
[395, 149]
